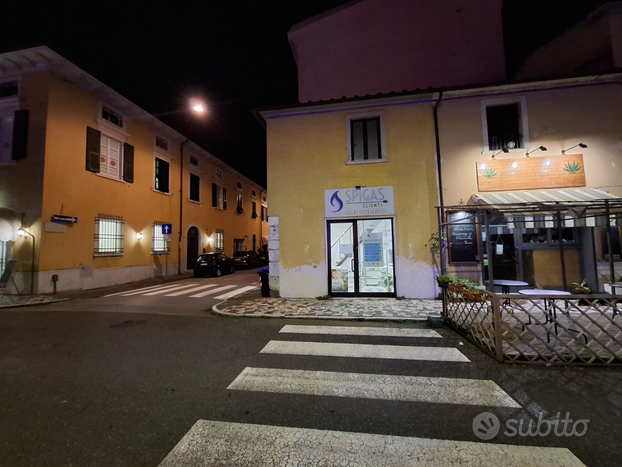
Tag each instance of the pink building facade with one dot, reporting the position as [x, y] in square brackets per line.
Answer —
[381, 46]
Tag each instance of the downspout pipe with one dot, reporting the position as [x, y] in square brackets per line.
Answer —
[441, 211]
[181, 202]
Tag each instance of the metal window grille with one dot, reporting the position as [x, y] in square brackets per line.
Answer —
[219, 240]
[108, 236]
[3, 255]
[158, 245]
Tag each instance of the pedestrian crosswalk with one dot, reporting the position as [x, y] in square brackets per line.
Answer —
[191, 290]
[241, 444]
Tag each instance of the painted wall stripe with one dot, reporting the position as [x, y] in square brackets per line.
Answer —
[359, 331]
[236, 292]
[211, 443]
[213, 291]
[370, 386]
[395, 352]
[196, 289]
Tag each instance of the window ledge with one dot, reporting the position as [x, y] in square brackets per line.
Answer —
[106, 255]
[521, 151]
[159, 253]
[110, 177]
[195, 202]
[372, 161]
[165, 193]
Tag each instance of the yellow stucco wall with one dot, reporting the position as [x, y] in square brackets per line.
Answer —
[307, 155]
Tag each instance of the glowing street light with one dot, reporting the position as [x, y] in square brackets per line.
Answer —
[197, 105]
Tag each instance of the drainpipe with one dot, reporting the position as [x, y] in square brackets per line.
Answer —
[181, 202]
[437, 141]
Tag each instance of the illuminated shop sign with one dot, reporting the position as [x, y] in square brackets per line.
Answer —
[364, 201]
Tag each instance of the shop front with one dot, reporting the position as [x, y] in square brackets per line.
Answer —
[360, 234]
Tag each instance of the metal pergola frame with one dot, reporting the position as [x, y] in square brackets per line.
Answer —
[558, 212]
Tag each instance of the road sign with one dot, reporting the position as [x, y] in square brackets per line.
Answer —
[167, 229]
[167, 238]
[64, 219]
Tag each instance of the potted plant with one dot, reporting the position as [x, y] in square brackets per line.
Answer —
[581, 288]
[456, 286]
[473, 295]
[443, 281]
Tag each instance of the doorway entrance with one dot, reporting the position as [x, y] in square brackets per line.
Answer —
[193, 247]
[361, 258]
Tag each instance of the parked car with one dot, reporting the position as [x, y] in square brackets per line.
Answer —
[265, 259]
[215, 264]
[246, 259]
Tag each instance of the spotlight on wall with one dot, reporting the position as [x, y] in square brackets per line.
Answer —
[581, 145]
[541, 148]
[139, 236]
[496, 154]
[21, 232]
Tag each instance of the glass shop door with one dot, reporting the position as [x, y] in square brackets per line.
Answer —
[361, 258]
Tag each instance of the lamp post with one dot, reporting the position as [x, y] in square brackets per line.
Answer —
[21, 232]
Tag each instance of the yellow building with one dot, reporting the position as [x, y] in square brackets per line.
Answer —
[92, 178]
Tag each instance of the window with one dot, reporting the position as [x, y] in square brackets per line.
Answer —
[264, 214]
[365, 138]
[253, 194]
[219, 240]
[8, 89]
[158, 245]
[219, 197]
[161, 143]
[504, 123]
[194, 161]
[112, 117]
[240, 208]
[110, 157]
[218, 175]
[195, 184]
[3, 256]
[162, 175]
[616, 244]
[254, 213]
[239, 186]
[108, 236]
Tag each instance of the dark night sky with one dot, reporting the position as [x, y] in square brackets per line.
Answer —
[234, 53]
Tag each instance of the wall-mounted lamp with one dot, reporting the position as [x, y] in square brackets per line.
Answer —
[210, 239]
[541, 148]
[496, 154]
[139, 236]
[581, 145]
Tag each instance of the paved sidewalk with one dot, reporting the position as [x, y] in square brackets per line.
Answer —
[13, 301]
[253, 305]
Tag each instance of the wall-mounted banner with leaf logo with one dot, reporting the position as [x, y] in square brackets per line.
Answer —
[528, 173]
[359, 202]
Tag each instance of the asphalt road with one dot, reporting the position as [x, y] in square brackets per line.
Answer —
[101, 386]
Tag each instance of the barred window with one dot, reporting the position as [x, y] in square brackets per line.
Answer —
[158, 245]
[3, 256]
[219, 240]
[108, 236]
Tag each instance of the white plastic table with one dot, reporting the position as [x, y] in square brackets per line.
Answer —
[549, 306]
[505, 286]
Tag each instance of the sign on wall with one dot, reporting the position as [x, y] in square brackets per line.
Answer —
[364, 201]
[530, 173]
[462, 237]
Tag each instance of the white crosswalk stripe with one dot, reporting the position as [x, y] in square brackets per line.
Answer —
[368, 386]
[394, 352]
[235, 292]
[248, 445]
[213, 291]
[187, 291]
[162, 291]
[137, 291]
[359, 331]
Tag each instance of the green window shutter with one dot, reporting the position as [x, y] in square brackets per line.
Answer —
[93, 149]
[20, 135]
[224, 199]
[214, 195]
[128, 163]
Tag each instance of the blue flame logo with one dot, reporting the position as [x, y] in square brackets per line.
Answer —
[335, 200]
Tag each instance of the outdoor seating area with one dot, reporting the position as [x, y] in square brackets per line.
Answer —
[540, 327]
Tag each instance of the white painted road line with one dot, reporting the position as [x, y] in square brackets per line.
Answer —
[187, 291]
[394, 352]
[162, 287]
[158, 292]
[235, 292]
[151, 287]
[213, 291]
[367, 386]
[210, 443]
[359, 331]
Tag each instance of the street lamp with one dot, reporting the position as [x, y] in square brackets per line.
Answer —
[21, 232]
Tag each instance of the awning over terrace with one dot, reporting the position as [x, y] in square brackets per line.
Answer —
[583, 207]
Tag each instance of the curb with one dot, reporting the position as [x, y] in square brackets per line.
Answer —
[217, 311]
[20, 305]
